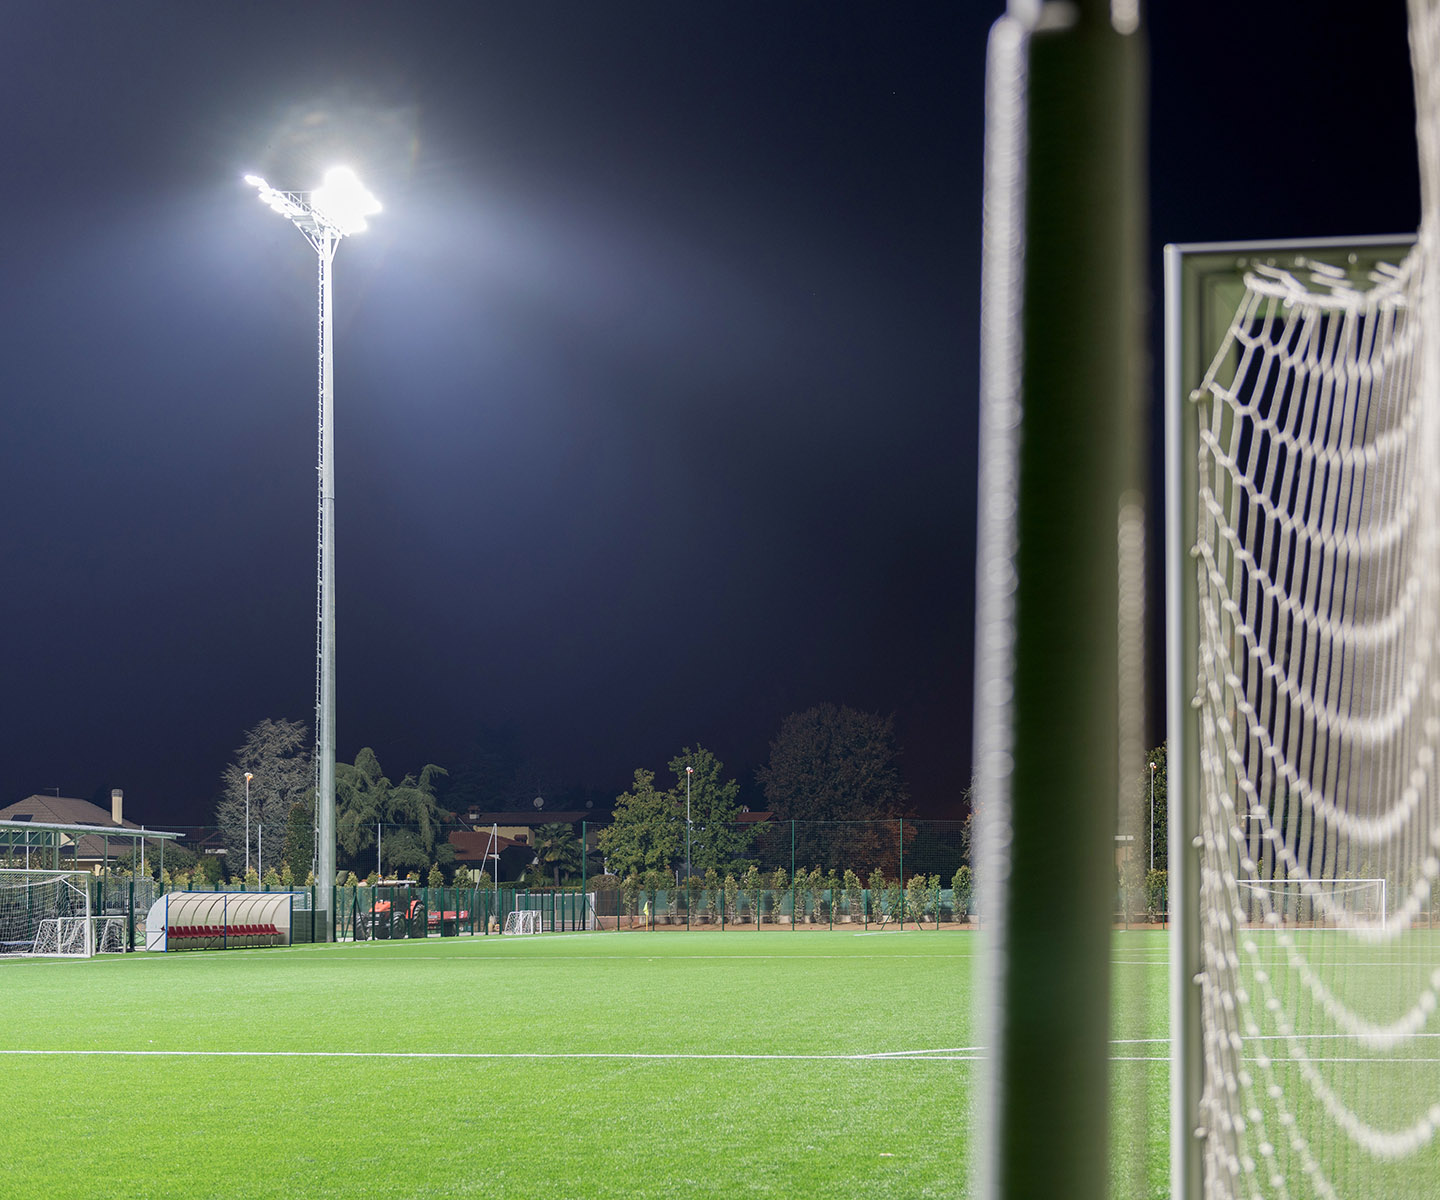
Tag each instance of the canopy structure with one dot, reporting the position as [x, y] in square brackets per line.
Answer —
[41, 845]
[223, 920]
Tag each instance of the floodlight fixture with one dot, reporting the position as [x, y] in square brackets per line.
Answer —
[332, 211]
[344, 200]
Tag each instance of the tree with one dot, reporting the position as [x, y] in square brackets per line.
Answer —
[177, 859]
[963, 889]
[558, 849]
[277, 755]
[648, 830]
[409, 811]
[1162, 825]
[836, 764]
[717, 839]
[299, 840]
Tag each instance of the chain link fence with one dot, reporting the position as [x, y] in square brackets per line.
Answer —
[770, 876]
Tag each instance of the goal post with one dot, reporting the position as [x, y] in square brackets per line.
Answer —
[1302, 717]
[1062, 336]
[45, 914]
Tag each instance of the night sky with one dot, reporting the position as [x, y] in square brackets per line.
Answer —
[655, 380]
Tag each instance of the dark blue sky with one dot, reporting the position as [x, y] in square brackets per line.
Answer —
[656, 379]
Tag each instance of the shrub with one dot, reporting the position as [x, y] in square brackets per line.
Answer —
[436, 878]
[732, 898]
[778, 884]
[815, 887]
[964, 892]
[916, 896]
[1156, 906]
[878, 894]
[750, 885]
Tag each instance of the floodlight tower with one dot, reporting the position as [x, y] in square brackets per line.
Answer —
[334, 210]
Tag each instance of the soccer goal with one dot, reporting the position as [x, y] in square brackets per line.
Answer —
[1312, 903]
[45, 914]
[1303, 437]
[523, 921]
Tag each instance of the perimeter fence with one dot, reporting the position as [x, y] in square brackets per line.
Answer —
[751, 874]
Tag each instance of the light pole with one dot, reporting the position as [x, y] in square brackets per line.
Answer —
[1153, 767]
[689, 772]
[335, 210]
[248, 777]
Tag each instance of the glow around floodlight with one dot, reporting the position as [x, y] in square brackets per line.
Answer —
[344, 201]
[256, 182]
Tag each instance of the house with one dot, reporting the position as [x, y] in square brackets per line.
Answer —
[518, 826]
[474, 848]
[93, 851]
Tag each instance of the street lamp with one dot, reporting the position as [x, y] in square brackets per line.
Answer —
[1153, 767]
[332, 211]
[248, 777]
[689, 772]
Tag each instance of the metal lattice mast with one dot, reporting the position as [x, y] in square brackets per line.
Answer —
[325, 246]
[324, 216]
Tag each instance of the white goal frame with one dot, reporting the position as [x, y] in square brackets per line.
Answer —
[1204, 284]
[47, 934]
[522, 921]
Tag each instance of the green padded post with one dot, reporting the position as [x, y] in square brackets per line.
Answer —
[1081, 361]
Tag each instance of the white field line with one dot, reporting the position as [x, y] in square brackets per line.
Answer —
[542, 958]
[961, 1054]
[469, 1054]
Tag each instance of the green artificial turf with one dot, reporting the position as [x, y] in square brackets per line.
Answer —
[534, 1067]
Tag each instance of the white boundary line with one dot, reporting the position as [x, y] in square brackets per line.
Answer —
[468, 1054]
[949, 1054]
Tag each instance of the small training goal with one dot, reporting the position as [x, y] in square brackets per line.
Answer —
[46, 914]
[522, 922]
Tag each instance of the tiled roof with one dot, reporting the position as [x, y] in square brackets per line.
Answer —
[472, 846]
[60, 810]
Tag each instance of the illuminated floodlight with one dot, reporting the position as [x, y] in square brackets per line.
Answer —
[336, 209]
[331, 212]
[344, 200]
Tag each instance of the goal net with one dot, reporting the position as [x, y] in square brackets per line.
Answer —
[524, 921]
[45, 913]
[1310, 720]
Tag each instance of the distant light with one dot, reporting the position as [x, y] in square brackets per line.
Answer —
[256, 182]
[344, 200]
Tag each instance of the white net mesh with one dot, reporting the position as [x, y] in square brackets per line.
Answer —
[1318, 558]
[522, 922]
[109, 935]
[44, 913]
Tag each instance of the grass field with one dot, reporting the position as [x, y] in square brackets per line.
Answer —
[663, 1065]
